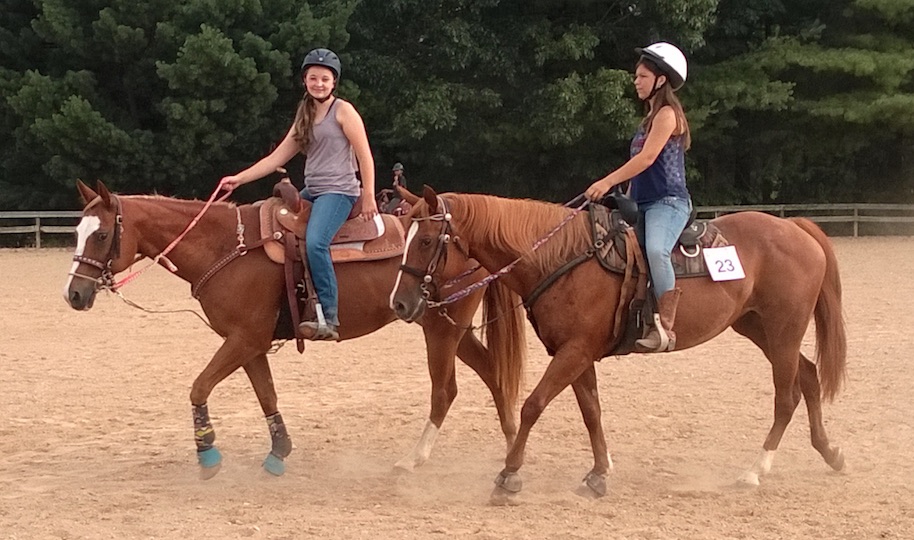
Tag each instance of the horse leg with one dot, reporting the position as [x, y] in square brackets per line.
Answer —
[587, 395]
[475, 355]
[231, 355]
[566, 367]
[258, 371]
[783, 353]
[809, 385]
[441, 352]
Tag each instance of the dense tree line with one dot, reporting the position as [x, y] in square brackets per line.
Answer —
[789, 102]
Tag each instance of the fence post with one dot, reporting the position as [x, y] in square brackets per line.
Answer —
[856, 215]
[38, 232]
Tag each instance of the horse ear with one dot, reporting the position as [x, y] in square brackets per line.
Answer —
[407, 195]
[85, 192]
[431, 198]
[103, 192]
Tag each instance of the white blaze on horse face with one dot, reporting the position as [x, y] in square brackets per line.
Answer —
[410, 236]
[87, 226]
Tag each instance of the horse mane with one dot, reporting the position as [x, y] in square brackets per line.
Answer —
[165, 199]
[516, 225]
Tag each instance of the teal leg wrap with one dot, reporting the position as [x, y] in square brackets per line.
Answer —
[274, 465]
[209, 458]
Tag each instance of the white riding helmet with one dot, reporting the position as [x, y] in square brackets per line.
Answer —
[669, 59]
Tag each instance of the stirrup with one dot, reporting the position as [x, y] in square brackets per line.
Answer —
[315, 331]
[667, 341]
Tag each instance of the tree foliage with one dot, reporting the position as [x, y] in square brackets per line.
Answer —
[788, 101]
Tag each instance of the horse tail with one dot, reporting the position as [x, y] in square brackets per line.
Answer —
[505, 339]
[831, 337]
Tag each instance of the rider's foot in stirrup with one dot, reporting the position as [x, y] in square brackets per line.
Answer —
[651, 342]
[315, 331]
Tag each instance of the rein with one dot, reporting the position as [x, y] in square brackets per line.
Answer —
[162, 256]
[447, 235]
[106, 280]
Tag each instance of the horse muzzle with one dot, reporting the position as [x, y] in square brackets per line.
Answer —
[81, 296]
[409, 310]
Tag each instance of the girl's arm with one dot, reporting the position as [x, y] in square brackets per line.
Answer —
[281, 155]
[662, 129]
[354, 128]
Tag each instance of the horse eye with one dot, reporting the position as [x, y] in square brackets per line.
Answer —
[426, 241]
[102, 236]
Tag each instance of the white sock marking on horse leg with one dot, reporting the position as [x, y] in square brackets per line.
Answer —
[762, 466]
[422, 450]
[87, 226]
[413, 229]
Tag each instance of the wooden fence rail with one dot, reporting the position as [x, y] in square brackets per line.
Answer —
[35, 227]
[31, 222]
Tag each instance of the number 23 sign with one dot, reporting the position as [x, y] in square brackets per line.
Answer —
[723, 263]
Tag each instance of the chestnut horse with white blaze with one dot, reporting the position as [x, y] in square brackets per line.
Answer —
[791, 277]
[242, 299]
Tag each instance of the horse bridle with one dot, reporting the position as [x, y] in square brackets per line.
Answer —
[106, 279]
[445, 237]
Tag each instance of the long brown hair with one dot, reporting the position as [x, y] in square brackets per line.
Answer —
[304, 121]
[664, 96]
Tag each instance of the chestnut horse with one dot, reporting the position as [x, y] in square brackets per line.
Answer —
[242, 301]
[791, 277]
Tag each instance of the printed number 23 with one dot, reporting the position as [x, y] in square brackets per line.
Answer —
[725, 265]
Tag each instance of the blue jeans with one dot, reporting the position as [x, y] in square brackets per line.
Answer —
[659, 228]
[328, 213]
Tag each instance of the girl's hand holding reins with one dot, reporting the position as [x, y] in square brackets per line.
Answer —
[597, 190]
[229, 183]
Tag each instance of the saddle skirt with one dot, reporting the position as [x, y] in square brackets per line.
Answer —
[357, 240]
[608, 232]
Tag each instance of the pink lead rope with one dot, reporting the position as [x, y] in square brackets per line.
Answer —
[162, 256]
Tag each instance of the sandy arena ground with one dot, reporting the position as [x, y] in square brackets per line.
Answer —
[96, 437]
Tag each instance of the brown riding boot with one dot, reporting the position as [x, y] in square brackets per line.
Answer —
[661, 338]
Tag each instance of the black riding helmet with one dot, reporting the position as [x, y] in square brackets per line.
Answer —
[325, 58]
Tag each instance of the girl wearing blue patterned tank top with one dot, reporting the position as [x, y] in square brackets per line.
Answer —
[657, 171]
[330, 132]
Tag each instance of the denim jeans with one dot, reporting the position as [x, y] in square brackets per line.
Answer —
[328, 213]
[659, 228]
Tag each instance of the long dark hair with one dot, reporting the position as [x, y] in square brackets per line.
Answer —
[665, 96]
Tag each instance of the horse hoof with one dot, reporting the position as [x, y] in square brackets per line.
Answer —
[502, 497]
[208, 472]
[592, 487]
[274, 465]
[748, 480]
[210, 462]
[837, 461]
[507, 486]
[403, 469]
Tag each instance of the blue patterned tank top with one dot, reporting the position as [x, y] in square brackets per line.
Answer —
[666, 175]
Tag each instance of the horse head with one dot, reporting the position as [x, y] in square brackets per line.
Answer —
[424, 269]
[102, 246]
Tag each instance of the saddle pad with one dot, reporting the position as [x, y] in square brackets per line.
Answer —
[390, 244]
[608, 228]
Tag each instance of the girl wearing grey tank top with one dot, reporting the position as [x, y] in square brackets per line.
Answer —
[331, 134]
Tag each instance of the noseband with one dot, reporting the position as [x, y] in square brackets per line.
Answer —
[106, 279]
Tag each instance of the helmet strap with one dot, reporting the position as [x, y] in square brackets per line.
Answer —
[656, 88]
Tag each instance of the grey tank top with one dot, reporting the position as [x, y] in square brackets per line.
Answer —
[330, 163]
